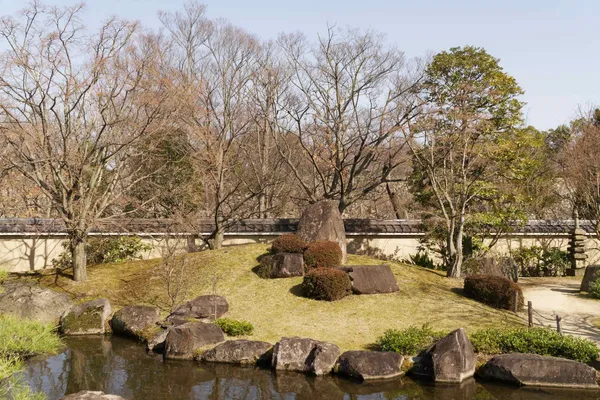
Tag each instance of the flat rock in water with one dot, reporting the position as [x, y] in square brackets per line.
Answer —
[135, 320]
[535, 370]
[33, 302]
[591, 274]
[89, 318]
[202, 307]
[452, 359]
[304, 355]
[89, 395]
[367, 365]
[244, 352]
[182, 341]
[372, 279]
[323, 221]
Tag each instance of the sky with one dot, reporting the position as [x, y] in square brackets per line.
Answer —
[551, 47]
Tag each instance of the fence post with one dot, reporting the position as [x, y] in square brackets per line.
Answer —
[558, 318]
[516, 301]
[530, 313]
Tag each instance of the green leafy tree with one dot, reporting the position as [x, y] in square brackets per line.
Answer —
[469, 148]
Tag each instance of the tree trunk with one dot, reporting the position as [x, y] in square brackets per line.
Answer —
[456, 268]
[262, 205]
[216, 242]
[78, 258]
[394, 200]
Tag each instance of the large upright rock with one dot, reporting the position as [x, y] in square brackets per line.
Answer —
[135, 321]
[202, 307]
[323, 221]
[33, 302]
[369, 365]
[591, 274]
[534, 370]
[90, 395]
[182, 341]
[304, 355]
[372, 279]
[244, 352]
[451, 359]
[89, 318]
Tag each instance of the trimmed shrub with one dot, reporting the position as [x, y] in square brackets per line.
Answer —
[288, 243]
[323, 254]
[494, 291]
[326, 284]
[265, 267]
[542, 341]
[595, 288]
[409, 341]
[233, 327]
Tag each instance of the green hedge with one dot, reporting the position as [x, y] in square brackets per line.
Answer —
[233, 327]
[540, 341]
[409, 341]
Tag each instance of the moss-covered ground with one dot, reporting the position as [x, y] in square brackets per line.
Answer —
[276, 308]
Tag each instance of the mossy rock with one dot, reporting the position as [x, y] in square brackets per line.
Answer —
[89, 318]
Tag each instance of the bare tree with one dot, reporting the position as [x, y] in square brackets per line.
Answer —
[215, 62]
[71, 105]
[347, 101]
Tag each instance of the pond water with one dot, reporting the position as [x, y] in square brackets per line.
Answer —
[121, 366]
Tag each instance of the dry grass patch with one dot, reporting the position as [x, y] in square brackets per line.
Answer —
[275, 309]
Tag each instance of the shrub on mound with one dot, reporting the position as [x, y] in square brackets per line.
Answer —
[494, 291]
[323, 254]
[542, 341]
[326, 284]
[288, 243]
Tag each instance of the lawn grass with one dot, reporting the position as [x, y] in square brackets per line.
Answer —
[275, 307]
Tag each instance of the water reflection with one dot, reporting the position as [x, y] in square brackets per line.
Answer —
[121, 366]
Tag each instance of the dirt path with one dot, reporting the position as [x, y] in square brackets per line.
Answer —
[560, 296]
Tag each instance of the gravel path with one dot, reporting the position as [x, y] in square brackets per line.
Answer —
[560, 296]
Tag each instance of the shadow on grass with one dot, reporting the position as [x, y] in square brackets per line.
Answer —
[296, 290]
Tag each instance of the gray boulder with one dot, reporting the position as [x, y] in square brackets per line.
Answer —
[89, 318]
[372, 279]
[323, 221]
[244, 352]
[452, 359]
[135, 321]
[33, 302]
[156, 343]
[304, 355]
[286, 265]
[367, 365]
[535, 370]
[182, 341]
[89, 395]
[202, 307]
[591, 274]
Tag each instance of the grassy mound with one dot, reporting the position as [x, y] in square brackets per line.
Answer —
[275, 306]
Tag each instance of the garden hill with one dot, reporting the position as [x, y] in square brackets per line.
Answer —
[275, 306]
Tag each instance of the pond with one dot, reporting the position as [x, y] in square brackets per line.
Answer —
[121, 366]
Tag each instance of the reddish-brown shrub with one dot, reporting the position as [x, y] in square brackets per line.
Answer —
[494, 291]
[324, 254]
[326, 284]
[288, 243]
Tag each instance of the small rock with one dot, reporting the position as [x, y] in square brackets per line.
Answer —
[367, 365]
[89, 318]
[244, 352]
[156, 343]
[304, 355]
[372, 279]
[33, 302]
[202, 307]
[286, 265]
[183, 340]
[323, 221]
[452, 359]
[135, 320]
[89, 395]
[535, 370]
